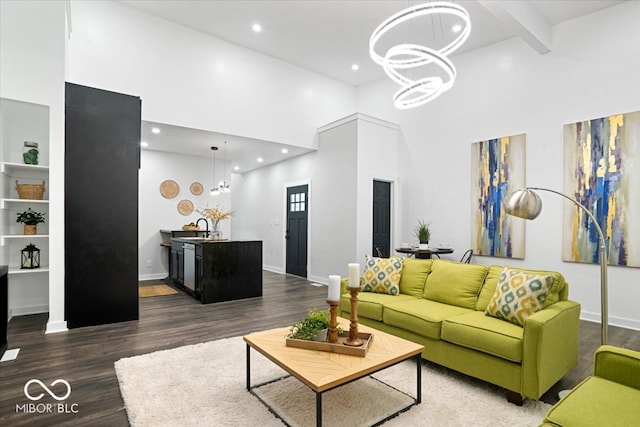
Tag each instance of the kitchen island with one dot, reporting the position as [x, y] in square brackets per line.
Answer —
[217, 270]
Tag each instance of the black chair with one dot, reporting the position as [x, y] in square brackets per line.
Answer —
[466, 257]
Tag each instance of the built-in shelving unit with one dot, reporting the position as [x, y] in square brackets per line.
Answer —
[20, 122]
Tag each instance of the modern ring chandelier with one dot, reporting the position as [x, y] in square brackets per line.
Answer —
[399, 60]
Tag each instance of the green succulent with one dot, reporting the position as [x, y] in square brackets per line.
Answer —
[308, 328]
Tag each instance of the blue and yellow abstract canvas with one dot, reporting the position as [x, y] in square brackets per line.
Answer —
[497, 169]
[602, 172]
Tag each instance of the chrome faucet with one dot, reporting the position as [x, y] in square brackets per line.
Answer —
[206, 222]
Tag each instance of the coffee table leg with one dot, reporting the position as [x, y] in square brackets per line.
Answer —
[248, 367]
[318, 409]
[418, 378]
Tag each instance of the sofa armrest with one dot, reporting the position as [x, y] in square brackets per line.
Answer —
[550, 346]
[619, 365]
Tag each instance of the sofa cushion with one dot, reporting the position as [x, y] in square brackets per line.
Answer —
[489, 286]
[518, 295]
[382, 275]
[420, 316]
[486, 334]
[597, 402]
[454, 283]
[414, 275]
[370, 304]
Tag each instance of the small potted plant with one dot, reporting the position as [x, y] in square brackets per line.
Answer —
[30, 219]
[423, 233]
[312, 328]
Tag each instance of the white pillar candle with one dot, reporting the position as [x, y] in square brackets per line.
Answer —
[334, 288]
[354, 275]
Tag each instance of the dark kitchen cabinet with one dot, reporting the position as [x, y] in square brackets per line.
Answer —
[224, 270]
[231, 270]
[199, 269]
[177, 263]
[102, 158]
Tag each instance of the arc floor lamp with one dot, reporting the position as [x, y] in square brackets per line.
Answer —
[527, 204]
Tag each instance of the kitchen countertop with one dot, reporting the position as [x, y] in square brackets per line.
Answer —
[199, 240]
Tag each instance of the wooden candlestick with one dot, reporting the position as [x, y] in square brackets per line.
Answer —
[333, 323]
[354, 340]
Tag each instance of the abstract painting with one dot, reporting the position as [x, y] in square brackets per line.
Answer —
[602, 172]
[497, 169]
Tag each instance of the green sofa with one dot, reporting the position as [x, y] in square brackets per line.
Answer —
[611, 397]
[441, 306]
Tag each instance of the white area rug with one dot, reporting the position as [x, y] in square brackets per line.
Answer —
[204, 385]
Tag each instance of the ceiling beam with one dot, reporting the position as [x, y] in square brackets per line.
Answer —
[521, 17]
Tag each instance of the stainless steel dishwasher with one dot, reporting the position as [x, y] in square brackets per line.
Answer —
[189, 265]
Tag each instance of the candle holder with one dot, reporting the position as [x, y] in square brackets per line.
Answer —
[354, 339]
[333, 322]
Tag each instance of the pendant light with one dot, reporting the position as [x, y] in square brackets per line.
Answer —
[214, 190]
[224, 185]
[399, 60]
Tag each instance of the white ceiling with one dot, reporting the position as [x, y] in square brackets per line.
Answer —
[241, 152]
[328, 36]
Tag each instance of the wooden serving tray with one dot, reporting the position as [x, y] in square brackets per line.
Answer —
[338, 347]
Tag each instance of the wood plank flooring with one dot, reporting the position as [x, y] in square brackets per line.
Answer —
[84, 357]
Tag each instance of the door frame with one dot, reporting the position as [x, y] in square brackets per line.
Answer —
[283, 205]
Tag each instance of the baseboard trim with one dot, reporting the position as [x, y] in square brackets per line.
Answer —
[55, 327]
[28, 309]
[620, 322]
[273, 269]
[318, 279]
[155, 276]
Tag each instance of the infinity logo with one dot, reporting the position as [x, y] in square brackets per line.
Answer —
[52, 394]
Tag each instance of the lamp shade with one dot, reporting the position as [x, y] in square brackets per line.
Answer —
[523, 204]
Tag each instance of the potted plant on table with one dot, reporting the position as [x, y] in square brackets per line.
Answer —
[423, 233]
[30, 219]
[312, 328]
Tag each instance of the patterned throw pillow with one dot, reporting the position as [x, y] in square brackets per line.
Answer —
[518, 295]
[382, 275]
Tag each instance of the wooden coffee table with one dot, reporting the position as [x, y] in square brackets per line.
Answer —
[322, 371]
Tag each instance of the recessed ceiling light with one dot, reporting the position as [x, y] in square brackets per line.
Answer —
[456, 28]
[144, 144]
[355, 67]
[284, 151]
[256, 28]
[236, 168]
[260, 159]
[155, 130]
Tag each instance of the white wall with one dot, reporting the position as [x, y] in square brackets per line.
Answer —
[158, 213]
[352, 152]
[333, 232]
[189, 79]
[258, 197]
[32, 57]
[506, 89]
[377, 159]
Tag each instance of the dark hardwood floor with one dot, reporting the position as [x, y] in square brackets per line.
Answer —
[84, 357]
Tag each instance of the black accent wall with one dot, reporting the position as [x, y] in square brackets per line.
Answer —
[102, 157]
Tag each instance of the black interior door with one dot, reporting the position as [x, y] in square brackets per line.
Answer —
[381, 218]
[296, 233]
[102, 155]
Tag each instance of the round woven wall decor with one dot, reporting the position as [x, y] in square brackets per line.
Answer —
[185, 207]
[169, 189]
[196, 188]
